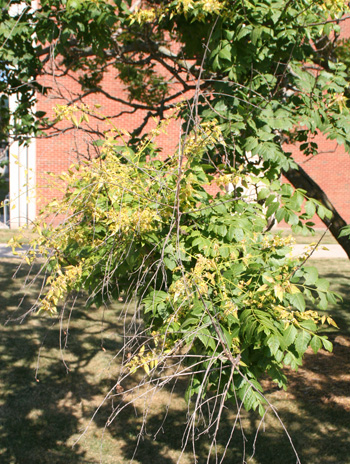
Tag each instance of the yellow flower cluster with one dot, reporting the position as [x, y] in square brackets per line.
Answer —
[230, 308]
[259, 301]
[277, 241]
[212, 6]
[334, 6]
[295, 317]
[203, 273]
[179, 288]
[195, 281]
[60, 285]
[202, 264]
[339, 100]
[143, 16]
[124, 220]
[208, 133]
[185, 5]
[229, 179]
[151, 358]
[69, 113]
[209, 6]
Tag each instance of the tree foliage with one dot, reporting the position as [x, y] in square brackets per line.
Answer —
[268, 47]
[272, 72]
[218, 298]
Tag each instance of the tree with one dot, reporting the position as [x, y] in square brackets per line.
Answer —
[218, 298]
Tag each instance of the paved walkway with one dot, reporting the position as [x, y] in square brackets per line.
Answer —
[332, 251]
[6, 252]
[323, 252]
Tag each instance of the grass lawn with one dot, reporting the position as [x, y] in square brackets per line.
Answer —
[40, 420]
[7, 234]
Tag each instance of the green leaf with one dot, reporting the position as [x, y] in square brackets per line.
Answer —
[322, 285]
[297, 300]
[327, 345]
[274, 344]
[251, 143]
[289, 335]
[309, 325]
[271, 199]
[170, 263]
[224, 251]
[316, 343]
[228, 336]
[291, 218]
[302, 342]
[225, 53]
[288, 359]
[190, 321]
[256, 34]
[243, 31]
[277, 376]
[311, 275]
[310, 208]
[280, 214]
[263, 193]
[345, 231]
[279, 356]
[206, 338]
[272, 209]
[296, 201]
[239, 234]
[324, 212]
[222, 230]
[323, 303]
[198, 241]
[216, 63]
[230, 233]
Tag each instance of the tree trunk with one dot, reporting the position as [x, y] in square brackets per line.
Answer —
[300, 179]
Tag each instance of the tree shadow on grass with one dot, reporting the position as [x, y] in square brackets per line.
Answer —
[40, 420]
[337, 272]
[315, 410]
[316, 407]
[162, 439]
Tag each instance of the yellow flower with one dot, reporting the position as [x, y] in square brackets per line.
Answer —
[212, 6]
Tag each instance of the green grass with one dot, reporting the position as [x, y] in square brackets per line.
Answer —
[7, 234]
[39, 421]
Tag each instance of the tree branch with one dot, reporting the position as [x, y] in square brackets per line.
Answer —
[300, 179]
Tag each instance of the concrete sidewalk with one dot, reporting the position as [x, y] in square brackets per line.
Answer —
[6, 251]
[332, 252]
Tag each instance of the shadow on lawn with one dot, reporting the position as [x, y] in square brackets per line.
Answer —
[37, 418]
[315, 411]
[40, 420]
